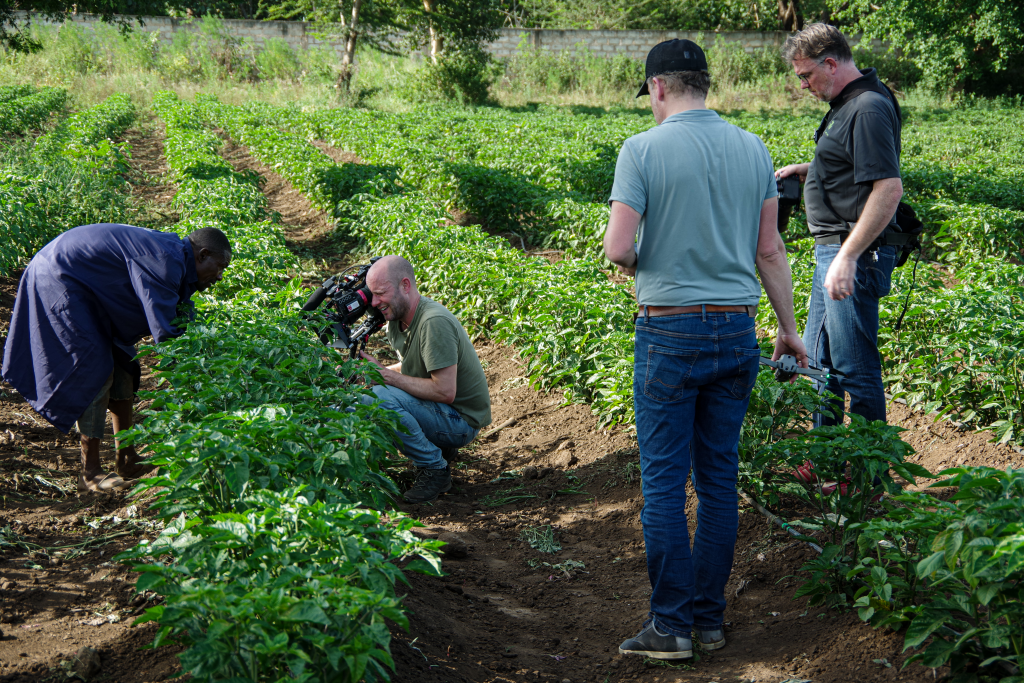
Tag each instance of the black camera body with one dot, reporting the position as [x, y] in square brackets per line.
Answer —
[349, 299]
[789, 197]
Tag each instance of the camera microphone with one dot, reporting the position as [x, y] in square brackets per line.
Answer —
[315, 299]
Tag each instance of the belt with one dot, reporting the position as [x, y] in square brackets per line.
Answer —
[896, 239]
[656, 311]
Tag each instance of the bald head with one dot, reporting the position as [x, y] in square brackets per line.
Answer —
[394, 269]
[393, 284]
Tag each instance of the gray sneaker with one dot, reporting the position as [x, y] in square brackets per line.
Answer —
[429, 484]
[652, 643]
[712, 639]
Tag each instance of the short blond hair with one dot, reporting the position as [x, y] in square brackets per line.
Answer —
[685, 83]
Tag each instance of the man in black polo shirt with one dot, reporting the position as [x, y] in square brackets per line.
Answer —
[852, 190]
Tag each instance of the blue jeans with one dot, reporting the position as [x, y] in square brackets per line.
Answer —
[691, 385]
[843, 335]
[432, 426]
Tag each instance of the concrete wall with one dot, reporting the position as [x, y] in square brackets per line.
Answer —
[298, 34]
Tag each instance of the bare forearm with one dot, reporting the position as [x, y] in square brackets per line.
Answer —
[777, 280]
[878, 210]
[424, 388]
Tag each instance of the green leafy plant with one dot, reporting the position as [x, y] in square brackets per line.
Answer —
[541, 539]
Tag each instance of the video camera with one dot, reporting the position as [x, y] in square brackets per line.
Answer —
[789, 197]
[349, 300]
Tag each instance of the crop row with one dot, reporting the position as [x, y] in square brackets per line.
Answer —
[87, 129]
[57, 190]
[566, 319]
[21, 114]
[547, 173]
[420, 150]
[13, 92]
[275, 561]
[540, 307]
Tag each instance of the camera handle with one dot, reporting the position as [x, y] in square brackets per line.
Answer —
[786, 367]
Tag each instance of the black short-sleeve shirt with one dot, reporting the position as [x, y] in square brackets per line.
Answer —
[859, 145]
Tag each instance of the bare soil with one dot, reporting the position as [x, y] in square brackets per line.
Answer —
[505, 611]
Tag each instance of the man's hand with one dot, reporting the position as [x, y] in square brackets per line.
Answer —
[440, 387]
[839, 281]
[790, 343]
[800, 170]
[630, 271]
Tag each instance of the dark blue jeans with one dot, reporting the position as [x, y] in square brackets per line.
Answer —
[843, 335]
[691, 385]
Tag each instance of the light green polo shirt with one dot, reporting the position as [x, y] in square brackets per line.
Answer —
[436, 340]
[698, 183]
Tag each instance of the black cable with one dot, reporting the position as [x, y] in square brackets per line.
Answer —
[906, 302]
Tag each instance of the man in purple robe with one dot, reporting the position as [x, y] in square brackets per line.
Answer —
[84, 301]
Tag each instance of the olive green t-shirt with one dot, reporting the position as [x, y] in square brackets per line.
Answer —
[436, 340]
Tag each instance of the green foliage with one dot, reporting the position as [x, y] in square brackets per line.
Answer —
[212, 51]
[729, 64]
[955, 43]
[777, 411]
[20, 114]
[541, 538]
[74, 177]
[960, 351]
[460, 75]
[871, 451]
[75, 134]
[13, 92]
[578, 70]
[950, 572]
[277, 59]
[275, 559]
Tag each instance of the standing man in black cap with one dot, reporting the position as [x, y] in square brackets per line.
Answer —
[694, 217]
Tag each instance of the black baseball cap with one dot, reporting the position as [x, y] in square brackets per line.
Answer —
[673, 55]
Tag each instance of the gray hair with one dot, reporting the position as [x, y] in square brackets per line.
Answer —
[816, 42]
[685, 83]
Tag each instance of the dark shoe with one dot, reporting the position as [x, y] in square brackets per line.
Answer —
[429, 485]
[652, 643]
[712, 639]
[450, 455]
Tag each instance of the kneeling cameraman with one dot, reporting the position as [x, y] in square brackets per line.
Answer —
[439, 388]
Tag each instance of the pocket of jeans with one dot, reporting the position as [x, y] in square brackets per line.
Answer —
[746, 374]
[668, 369]
[879, 273]
[452, 439]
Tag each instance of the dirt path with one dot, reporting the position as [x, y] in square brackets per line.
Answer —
[59, 590]
[505, 611]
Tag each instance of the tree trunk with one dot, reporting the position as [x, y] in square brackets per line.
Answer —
[790, 16]
[436, 39]
[351, 37]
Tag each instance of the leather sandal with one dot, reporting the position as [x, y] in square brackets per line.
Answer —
[105, 484]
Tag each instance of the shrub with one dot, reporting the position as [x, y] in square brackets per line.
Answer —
[464, 75]
[277, 60]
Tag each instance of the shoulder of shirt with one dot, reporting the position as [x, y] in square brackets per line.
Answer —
[433, 309]
[871, 102]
